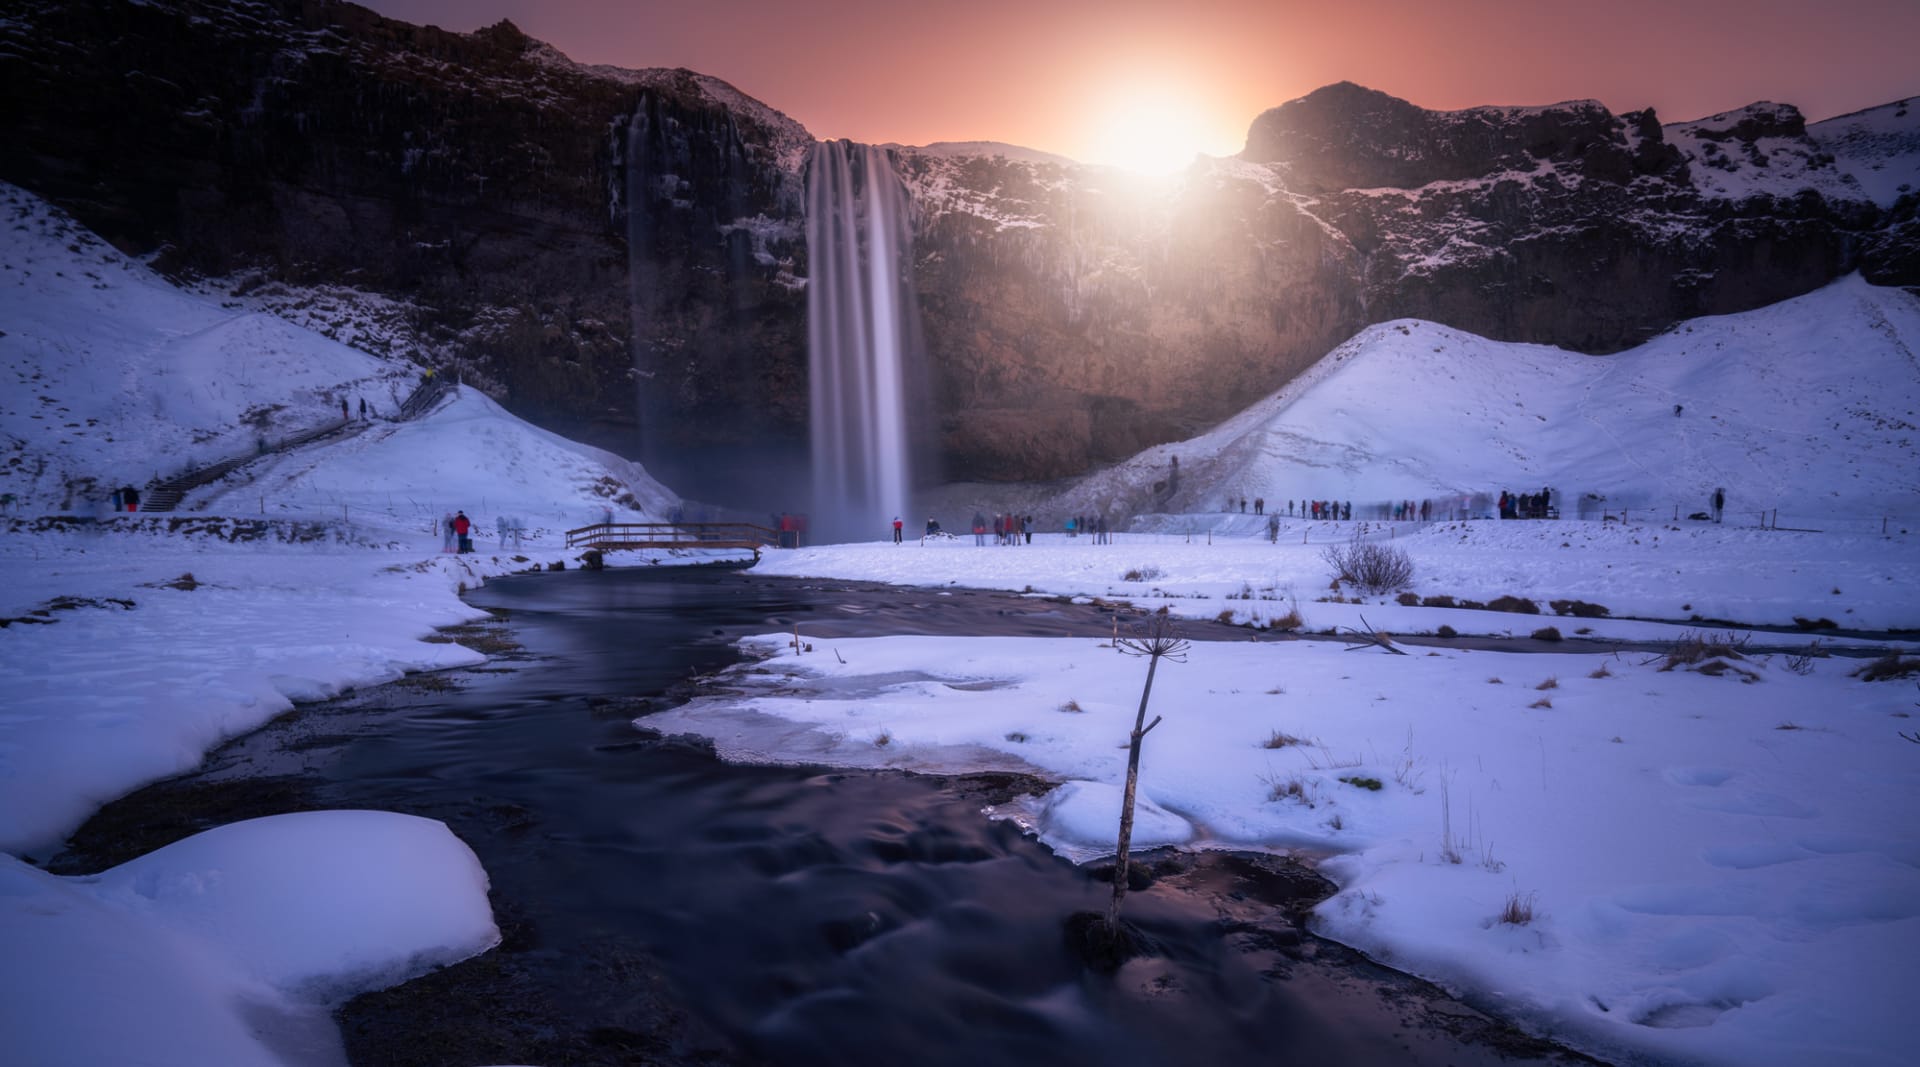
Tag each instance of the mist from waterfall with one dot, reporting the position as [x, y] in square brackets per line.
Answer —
[862, 341]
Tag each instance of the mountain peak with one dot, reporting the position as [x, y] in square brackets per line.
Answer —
[1346, 136]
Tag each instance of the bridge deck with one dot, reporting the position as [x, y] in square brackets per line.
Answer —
[671, 535]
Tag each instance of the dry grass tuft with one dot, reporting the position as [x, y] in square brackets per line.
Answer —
[1578, 609]
[1514, 604]
[1072, 706]
[1281, 739]
[1543, 702]
[1519, 910]
[1552, 682]
[1890, 666]
[1691, 648]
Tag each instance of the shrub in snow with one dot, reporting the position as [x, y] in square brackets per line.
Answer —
[1374, 567]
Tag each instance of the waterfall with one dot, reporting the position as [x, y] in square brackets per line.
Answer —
[862, 341]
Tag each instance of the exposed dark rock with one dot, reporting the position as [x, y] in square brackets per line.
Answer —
[619, 255]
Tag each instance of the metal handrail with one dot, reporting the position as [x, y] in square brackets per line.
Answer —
[673, 535]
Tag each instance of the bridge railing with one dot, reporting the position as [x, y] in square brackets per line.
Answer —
[673, 535]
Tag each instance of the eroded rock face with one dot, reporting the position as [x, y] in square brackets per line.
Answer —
[620, 255]
[524, 207]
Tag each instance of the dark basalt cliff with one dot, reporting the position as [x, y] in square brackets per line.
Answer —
[480, 178]
[620, 254]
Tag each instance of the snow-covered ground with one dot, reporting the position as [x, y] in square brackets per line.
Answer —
[135, 643]
[1720, 868]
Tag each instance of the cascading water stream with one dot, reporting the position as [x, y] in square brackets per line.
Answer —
[862, 339]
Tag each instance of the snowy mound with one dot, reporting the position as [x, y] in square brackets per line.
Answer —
[469, 454]
[228, 947]
[1810, 407]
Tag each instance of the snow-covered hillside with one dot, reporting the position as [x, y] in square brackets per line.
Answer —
[117, 376]
[1765, 149]
[1879, 147]
[1810, 408]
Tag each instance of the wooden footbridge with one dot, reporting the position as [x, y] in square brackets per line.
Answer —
[611, 535]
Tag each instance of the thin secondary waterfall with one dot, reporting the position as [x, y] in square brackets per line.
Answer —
[861, 337]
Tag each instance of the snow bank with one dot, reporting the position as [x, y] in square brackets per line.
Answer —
[1718, 869]
[229, 947]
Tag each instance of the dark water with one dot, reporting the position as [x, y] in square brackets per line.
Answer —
[662, 907]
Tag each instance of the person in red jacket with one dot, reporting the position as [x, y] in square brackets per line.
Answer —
[463, 527]
[896, 529]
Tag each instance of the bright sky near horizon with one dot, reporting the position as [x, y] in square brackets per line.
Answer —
[1147, 84]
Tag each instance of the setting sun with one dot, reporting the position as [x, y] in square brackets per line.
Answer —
[1156, 131]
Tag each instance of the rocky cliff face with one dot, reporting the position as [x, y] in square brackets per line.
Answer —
[620, 254]
[521, 207]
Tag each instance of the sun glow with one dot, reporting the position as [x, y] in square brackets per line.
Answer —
[1153, 131]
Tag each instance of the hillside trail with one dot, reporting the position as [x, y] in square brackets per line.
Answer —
[274, 473]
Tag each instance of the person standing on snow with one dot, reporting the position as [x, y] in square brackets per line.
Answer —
[462, 528]
[1719, 503]
[896, 529]
[447, 543]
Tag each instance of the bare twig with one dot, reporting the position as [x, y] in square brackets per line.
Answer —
[1159, 639]
[1371, 639]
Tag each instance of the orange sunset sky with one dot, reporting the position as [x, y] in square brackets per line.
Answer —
[1148, 84]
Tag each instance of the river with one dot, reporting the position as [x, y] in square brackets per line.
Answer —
[661, 906]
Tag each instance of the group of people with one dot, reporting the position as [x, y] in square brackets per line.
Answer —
[126, 498]
[1008, 529]
[1527, 505]
[456, 532]
[1094, 526]
[1259, 502]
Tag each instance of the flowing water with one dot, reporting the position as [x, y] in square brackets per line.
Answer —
[862, 339]
[659, 906]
